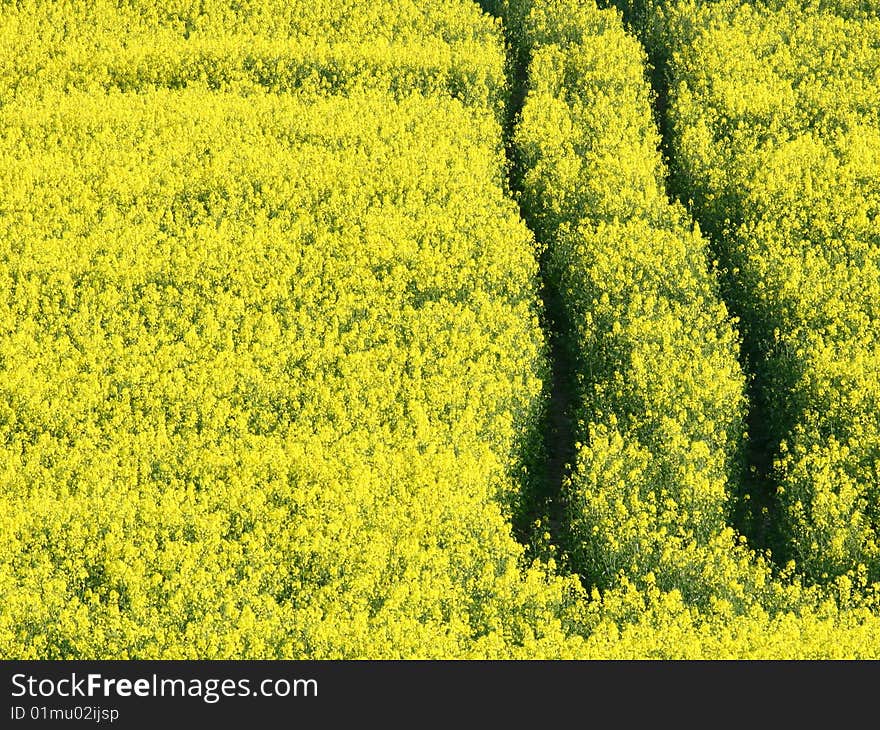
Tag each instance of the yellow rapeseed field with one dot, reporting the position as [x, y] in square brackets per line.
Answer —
[273, 377]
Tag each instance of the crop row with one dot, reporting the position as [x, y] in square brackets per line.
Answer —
[660, 391]
[655, 355]
[775, 128]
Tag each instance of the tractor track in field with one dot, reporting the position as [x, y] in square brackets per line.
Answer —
[544, 505]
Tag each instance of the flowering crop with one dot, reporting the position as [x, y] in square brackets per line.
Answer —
[266, 361]
[402, 47]
[272, 377]
[661, 391]
[776, 131]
